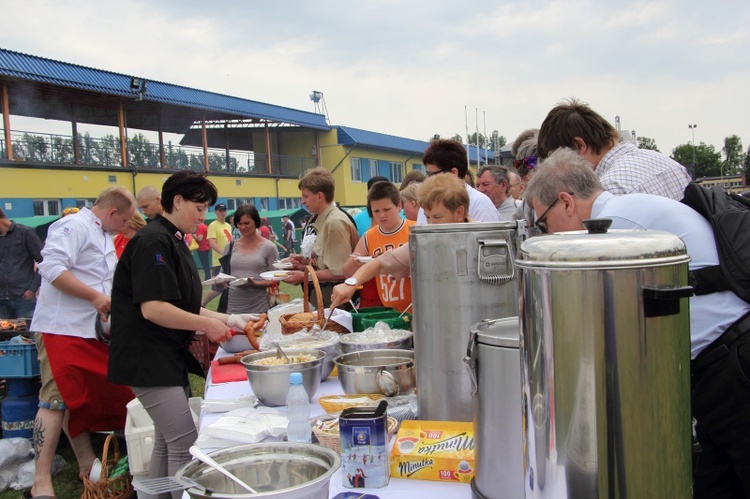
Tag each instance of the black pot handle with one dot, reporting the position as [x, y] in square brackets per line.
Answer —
[658, 302]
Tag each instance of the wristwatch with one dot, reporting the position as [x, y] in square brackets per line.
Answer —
[352, 281]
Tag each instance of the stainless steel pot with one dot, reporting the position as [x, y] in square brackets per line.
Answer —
[606, 360]
[370, 371]
[357, 342]
[461, 274]
[494, 362]
[278, 470]
[271, 383]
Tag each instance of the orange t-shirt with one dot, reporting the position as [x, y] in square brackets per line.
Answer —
[395, 293]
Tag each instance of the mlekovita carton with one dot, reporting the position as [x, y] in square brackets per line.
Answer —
[434, 450]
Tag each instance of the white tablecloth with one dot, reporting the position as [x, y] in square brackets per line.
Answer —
[396, 488]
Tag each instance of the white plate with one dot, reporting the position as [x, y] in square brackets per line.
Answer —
[283, 265]
[238, 282]
[364, 259]
[271, 274]
[220, 278]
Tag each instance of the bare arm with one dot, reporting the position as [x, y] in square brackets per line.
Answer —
[214, 245]
[70, 285]
[344, 292]
[167, 315]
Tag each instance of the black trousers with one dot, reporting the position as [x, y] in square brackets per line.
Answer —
[721, 406]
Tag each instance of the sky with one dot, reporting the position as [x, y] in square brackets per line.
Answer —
[419, 68]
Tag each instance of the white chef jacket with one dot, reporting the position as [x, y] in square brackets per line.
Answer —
[79, 244]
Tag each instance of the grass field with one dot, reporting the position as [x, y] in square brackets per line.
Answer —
[66, 482]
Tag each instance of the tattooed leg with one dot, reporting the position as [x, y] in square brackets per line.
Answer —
[47, 429]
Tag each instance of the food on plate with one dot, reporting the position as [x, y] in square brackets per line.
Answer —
[280, 274]
[279, 361]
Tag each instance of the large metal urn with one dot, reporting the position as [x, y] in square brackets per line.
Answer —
[461, 274]
[605, 357]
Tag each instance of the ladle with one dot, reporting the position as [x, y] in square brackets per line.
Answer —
[387, 384]
[201, 456]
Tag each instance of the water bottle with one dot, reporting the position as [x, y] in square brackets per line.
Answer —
[297, 411]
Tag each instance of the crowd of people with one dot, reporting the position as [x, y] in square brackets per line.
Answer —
[571, 168]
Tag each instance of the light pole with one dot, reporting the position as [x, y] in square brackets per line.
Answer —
[692, 129]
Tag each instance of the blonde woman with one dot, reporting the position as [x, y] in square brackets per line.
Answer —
[126, 233]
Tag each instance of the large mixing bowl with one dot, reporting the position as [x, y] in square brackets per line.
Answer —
[271, 383]
[328, 342]
[279, 470]
[376, 340]
[359, 372]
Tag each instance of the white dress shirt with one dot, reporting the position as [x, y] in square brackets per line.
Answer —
[481, 208]
[79, 244]
[625, 169]
[711, 314]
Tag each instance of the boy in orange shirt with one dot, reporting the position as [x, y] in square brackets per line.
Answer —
[391, 231]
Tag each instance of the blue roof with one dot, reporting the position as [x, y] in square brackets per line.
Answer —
[348, 136]
[38, 69]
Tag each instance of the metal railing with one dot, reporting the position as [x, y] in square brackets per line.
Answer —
[141, 153]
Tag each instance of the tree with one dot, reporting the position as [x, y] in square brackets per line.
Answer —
[647, 143]
[733, 155]
[707, 159]
[747, 162]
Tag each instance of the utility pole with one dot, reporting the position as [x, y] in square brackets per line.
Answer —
[692, 129]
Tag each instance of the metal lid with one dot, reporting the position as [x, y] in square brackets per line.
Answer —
[498, 332]
[463, 227]
[615, 248]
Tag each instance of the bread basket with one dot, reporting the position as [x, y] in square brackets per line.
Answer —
[337, 403]
[291, 323]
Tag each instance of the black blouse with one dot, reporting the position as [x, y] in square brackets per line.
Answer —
[156, 265]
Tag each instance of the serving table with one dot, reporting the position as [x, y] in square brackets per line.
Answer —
[396, 488]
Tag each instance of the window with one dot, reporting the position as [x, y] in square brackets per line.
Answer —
[356, 170]
[231, 204]
[397, 172]
[418, 166]
[85, 203]
[373, 168]
[44, 207]
[263, 204]
[112, 179]
[289, 203]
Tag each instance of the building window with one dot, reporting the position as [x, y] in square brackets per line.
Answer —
[85, 203]
[373, 168]
[356, 170]
[418, 166]
[397, 172]
[112, 179]
[289, 203]
[231, 204]
[263, 204]
[43, 207]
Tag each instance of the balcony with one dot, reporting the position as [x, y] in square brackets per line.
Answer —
[104, 152]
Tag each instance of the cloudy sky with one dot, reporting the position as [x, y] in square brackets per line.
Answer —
[411, 68]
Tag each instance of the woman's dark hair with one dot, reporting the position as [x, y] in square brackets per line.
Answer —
[191, 186]
[247, 210]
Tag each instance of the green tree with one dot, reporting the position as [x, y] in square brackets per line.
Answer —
[733, 155]
[647, 143]
[747, 162]
[707, 159]
[458, 138]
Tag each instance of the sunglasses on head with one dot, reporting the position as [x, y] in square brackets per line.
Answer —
[528, 162]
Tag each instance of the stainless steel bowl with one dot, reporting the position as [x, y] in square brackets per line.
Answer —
[279, 470]
[328, 342]
[359, 371]
[349, 344]
[271, 383]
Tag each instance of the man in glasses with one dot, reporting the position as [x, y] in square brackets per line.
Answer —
[494, 182]
[621, 167]
[449, 156]
[564, 192]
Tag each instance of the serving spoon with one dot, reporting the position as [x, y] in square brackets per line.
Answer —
[201, 456]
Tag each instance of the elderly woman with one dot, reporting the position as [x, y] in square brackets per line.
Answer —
[156, 310]
[524, 149]
[445, 200]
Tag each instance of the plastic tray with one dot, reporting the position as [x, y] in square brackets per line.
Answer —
[18, 361]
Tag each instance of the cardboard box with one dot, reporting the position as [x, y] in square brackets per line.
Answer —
[434, 450]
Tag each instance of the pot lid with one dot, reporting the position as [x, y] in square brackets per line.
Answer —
[498, 332]
[598, 247]
[462, 227]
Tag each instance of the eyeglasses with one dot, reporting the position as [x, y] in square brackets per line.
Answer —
[541, 222]
[528, 162]
[430, 174]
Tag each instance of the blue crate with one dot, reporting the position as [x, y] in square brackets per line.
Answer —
[18, 361]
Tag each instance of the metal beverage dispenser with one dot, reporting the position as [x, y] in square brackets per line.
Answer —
[605, 358]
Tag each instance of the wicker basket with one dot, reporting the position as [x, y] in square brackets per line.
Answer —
[328, 436]
[291, 323]
[337, 403]
[109, 488]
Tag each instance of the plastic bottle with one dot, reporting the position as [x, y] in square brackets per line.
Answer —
[297, 411]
